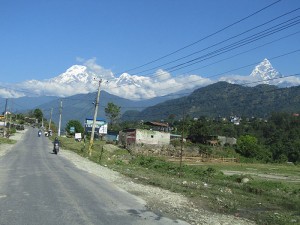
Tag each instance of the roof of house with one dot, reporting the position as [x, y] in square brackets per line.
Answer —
[157, 124]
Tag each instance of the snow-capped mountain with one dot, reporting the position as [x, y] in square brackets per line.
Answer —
[82, 79]
[127, 79]
[265, 72]
[74, 74]
[79, 74]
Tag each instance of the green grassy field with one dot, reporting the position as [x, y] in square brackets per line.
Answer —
[264, 199]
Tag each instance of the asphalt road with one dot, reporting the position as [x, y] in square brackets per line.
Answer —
[39, 187]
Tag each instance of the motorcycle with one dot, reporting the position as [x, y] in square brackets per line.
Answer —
[39, 133]
[56, 147]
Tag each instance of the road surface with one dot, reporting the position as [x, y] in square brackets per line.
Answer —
[39, 187]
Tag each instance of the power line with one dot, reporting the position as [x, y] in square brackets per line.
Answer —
[204, 38]
[252, 38]
[231, 70]
[221, 42]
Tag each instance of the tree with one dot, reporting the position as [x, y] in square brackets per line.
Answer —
[112, 111]
[76, 124]
[38, 114]
[247, 146]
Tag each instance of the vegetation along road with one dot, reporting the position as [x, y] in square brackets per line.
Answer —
[38, 187]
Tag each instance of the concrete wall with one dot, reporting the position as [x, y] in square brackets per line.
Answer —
[152, 137]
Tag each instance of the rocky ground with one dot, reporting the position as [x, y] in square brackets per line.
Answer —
[158, 200]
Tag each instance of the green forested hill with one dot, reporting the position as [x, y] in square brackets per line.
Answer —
[225, 99]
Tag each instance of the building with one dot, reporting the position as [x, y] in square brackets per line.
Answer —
[158, 126]
[141, 136]
[226, 140]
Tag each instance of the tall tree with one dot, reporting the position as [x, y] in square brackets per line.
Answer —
[112, 111]
[76, 124]
[38, 114]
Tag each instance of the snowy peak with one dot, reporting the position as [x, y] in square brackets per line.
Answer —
[75, 74]
[76, 69]
[265, 71]
[127, 79]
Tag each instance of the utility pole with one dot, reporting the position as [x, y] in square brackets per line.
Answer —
[94, 121]
[59, 123]
[5, 117]
[50, 118]
[181, 149]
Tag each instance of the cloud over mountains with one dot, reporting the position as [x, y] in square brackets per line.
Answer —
[84, 78]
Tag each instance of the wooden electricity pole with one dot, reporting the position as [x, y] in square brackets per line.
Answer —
[5, 119]
[50, 118]
[182, 138]
[94, 120]
[59, 122]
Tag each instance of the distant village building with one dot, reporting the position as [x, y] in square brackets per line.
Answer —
[235, 120]
[157, 135]
[141, 136]
[222, 140]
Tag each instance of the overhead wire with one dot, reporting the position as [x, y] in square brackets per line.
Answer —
[218, 43]
[233, 46]
[204, 38]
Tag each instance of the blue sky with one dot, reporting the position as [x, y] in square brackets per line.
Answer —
[40, 39]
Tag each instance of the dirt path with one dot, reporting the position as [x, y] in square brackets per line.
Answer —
[266, 176]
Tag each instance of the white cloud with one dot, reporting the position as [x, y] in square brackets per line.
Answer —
[97, 69]
[162, 75]
[150, 87]
[237, 79]
[9, 93]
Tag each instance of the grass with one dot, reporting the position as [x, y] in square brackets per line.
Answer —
[264, 201]
[6, 141]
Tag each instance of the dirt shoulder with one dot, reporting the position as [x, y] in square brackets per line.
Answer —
[5, 148]
[158, 200]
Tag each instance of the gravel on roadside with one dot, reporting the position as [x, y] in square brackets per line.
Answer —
[158, 200]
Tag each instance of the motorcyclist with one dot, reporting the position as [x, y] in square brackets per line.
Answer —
[56, 141]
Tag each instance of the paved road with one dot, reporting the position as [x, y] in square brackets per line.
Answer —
[38, 187]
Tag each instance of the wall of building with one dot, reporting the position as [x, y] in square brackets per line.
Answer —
[152, 137]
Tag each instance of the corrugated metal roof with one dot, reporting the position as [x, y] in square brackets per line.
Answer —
[157, 124]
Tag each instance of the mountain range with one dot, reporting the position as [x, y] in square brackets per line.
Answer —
[83, 79]
[204, 98]
[81, 106]
[223, 99]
